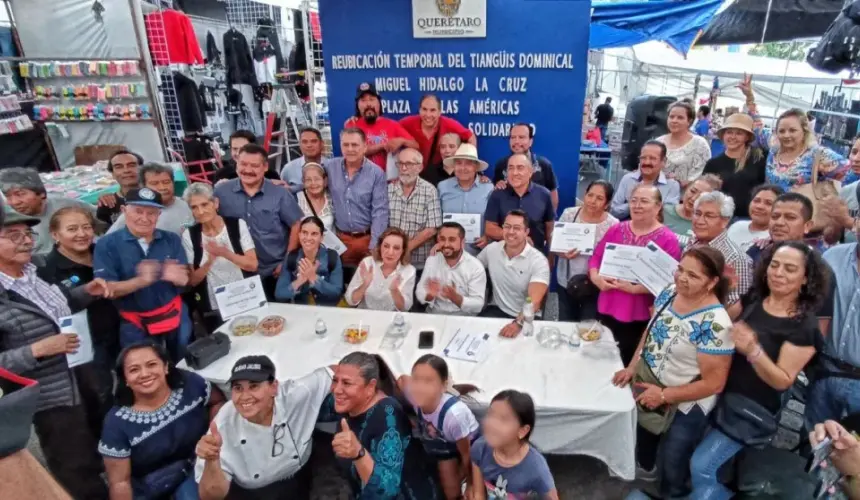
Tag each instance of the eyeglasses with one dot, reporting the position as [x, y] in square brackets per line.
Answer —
[18, 237]
[710, 216]
[278, 434]
[402, 164]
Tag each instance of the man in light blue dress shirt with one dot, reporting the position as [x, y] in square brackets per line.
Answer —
[311, 144]
[465, 193]
[652, 160]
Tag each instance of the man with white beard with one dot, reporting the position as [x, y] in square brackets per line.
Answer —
[414, 206]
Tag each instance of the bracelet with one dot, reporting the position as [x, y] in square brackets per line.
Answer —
[752, 358]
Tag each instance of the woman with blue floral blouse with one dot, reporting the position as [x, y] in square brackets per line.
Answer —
[687, 352]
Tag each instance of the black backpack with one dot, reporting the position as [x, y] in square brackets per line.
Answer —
[200, 292]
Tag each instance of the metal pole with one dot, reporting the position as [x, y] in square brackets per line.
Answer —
[311, 77]
[766, 20]
[782, 85]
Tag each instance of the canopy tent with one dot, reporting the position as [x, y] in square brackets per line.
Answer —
[624, 24]
[743, 21]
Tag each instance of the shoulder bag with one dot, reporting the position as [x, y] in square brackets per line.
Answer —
[817, 191]
[579, 286]
[742, 418]
[658, 420]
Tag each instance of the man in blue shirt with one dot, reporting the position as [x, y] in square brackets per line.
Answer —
[271, 212]
[523, 194]
[146, 269]
[465, 193]
[652, 160]
[703, 123]
[359, 196]
[521, 141]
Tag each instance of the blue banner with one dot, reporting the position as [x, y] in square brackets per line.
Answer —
[531, 67]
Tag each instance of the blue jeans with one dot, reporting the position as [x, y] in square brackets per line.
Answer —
[176, 342]
[714, 451]
[676, 446]
[187, 490]
[832, 398]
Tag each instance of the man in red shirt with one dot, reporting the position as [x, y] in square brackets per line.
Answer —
[429, 126]
[384, 135]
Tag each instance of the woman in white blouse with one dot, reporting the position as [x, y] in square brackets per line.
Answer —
[314, 199]
[385, 281]
[687, 152]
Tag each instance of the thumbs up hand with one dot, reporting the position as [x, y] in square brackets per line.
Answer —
[345, 443]
[209, 446]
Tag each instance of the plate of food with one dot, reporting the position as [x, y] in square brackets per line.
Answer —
[589, 331]
[271, 325]
[355, 334]
[242, 326]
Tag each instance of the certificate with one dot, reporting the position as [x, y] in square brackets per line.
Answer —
[567, 236]
[470, 222]
[464, 346]
[78, 324]
[240, 296]
[330, 240]
[618, 262]
[655, 268]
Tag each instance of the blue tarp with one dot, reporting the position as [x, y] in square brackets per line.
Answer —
[676, 22]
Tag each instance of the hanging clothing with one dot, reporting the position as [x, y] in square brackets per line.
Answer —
[266, 31]
[191, 110]
[237, 59]
[213, 55]
[172, 39]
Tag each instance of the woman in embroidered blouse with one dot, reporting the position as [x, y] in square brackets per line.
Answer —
[623, 306]
[595, 210]
[373, 444]
[688, 348]
[385, 281]
[687, 152]
[149, 438]
[314, 199]
[790, 162]
[312, 273]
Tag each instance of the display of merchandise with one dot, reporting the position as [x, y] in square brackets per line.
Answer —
[91, 92]
[7, 79]
[238, 60]
[79, 181]
[74, 69]
[172, 39]
[92, 112]
[11, 119]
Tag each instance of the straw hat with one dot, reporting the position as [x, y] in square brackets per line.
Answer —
[740, 121]
[469, 152]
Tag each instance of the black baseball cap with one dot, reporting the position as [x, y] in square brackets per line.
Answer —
[366, 88]
[253, 369]
[145, 197]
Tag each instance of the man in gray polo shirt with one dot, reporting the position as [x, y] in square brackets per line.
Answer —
[176, 215]
[271, 212]
[517, 270]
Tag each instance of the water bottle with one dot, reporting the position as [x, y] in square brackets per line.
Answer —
[320, 328]
[528, 318]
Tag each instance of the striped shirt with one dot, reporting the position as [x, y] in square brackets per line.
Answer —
[415, 213]
[360, 203]
[47, 297]
[735, 258]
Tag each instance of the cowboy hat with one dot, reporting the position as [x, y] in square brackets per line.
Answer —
[469, 152]
[740, 121]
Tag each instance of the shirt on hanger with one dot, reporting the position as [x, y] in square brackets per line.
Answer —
[172, 39]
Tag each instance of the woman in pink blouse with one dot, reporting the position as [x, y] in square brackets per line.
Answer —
[623, 306]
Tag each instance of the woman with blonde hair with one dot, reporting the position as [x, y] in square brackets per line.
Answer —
[385, 281]
[742, 165]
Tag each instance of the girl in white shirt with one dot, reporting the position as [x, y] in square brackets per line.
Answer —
[385, 281]
[446, 426]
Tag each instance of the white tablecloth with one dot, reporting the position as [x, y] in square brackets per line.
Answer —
[579, 411]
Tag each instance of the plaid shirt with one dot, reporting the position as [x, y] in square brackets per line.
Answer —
[47, 297]
[736, 258]
[420, 211]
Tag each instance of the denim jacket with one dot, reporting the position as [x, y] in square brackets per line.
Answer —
[328, 288]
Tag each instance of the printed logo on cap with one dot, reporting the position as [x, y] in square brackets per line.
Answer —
[364, 86]
[147, 194]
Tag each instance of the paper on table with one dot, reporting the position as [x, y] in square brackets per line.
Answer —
[78, 324]
[655, 269]
[470, 222]
[618, 261]
[567, 236]
[330, 240]
[240, 296]
[464, 346]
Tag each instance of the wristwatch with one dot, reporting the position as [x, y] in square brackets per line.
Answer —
[361, 453]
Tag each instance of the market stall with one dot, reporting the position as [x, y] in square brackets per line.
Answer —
[579, 411]
[88, 183]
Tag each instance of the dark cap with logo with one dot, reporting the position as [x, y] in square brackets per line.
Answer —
[253, 369]
[145, 197]
[366, 88]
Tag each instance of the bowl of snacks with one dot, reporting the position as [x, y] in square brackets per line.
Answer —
[355, 334]
[589, 331]
[271, 325]
[242, 326]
